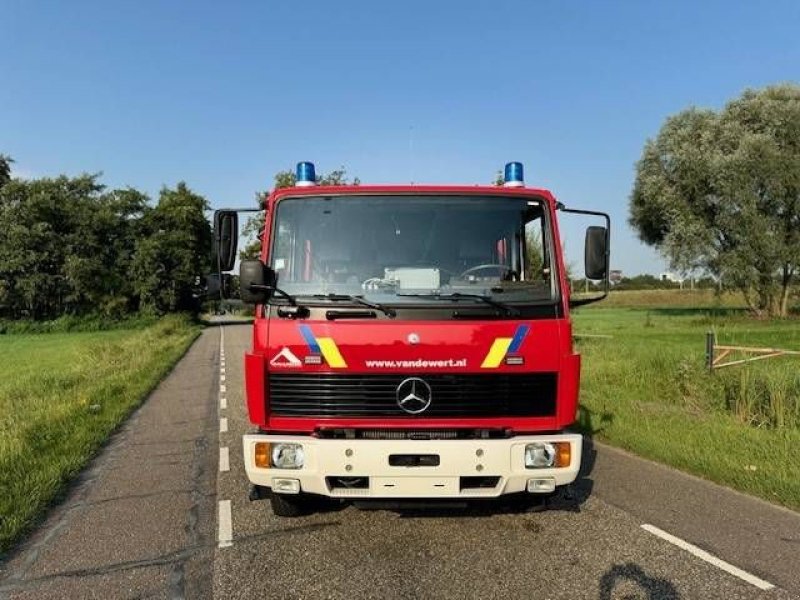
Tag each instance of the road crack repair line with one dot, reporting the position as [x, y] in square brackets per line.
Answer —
[708, 557]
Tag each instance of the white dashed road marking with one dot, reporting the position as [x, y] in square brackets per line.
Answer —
[224, 520]
[225, 535]
[709, 558]
[224, 460]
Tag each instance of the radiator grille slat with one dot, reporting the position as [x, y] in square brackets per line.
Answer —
[468, 395]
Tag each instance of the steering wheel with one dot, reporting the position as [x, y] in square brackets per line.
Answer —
[502, 268]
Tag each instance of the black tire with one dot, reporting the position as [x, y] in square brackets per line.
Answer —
[289, 505]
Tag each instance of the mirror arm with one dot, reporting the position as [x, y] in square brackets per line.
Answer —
[606, 281]
[265, 288]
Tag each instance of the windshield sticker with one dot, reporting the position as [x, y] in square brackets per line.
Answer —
[285, 358]
[503, 346]
[324, 346]
[419, 363]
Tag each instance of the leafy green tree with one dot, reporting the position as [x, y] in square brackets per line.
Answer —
[5, 169]
[720, 192]
[69, 246]
[174, 250]
[254, 227]
[66, 247]
[97, 268]
[41, 221]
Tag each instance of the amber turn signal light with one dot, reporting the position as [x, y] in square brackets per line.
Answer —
[563, 454]
[262, 455]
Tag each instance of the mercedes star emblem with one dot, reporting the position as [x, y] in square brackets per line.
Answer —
[414, 395]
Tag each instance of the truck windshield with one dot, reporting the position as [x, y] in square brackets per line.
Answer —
[408, 249]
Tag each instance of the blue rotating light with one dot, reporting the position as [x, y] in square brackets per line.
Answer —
[513, 176]
[305, 174]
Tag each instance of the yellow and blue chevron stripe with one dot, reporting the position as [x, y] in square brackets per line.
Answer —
[324, 346]
[503, 346]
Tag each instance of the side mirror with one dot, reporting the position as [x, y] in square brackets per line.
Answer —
[596, 252]
[226, 238]
[256, 281]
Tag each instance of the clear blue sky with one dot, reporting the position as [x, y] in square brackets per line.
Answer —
[224, 94]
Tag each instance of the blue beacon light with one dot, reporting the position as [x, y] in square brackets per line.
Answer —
[513, 176]
[305, 174]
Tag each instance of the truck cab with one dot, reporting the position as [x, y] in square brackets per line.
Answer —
[410, 342]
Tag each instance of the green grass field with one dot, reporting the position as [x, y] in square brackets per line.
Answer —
[646, 389]
[61, 394]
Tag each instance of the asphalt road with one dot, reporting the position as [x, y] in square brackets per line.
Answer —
[149, 519]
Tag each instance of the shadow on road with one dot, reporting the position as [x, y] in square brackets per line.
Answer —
[630, 580]
[582, 488]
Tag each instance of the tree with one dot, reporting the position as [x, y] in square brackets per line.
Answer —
[720, 192]
[173, 252]
[254, 227]
[42, 221]
[66, 247]
[5, 169]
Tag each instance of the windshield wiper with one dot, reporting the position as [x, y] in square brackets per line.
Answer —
[509, 310]
[389, 312]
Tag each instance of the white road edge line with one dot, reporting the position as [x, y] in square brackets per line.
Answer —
[224, 460]
[223, 403]
[223, 425]
[225, 534]
[222, 389]
[709, 558]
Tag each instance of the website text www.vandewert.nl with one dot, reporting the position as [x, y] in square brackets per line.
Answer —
[419, 363]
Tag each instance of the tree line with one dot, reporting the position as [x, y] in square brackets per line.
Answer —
[71, 246]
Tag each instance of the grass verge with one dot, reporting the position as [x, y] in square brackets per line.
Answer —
[61, 395]
[645, 389]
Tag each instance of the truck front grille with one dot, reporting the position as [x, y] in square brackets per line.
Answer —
[484, 395]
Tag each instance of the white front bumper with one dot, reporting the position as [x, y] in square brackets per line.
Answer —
[503, 458]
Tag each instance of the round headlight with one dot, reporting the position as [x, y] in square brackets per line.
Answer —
[540, 455]
[287, 456]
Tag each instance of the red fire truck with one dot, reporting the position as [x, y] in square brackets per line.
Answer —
[410, 342]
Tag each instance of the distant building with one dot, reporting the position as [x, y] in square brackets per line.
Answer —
[671, 277]
[615, 276]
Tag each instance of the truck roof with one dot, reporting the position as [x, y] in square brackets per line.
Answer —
[340, 190]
